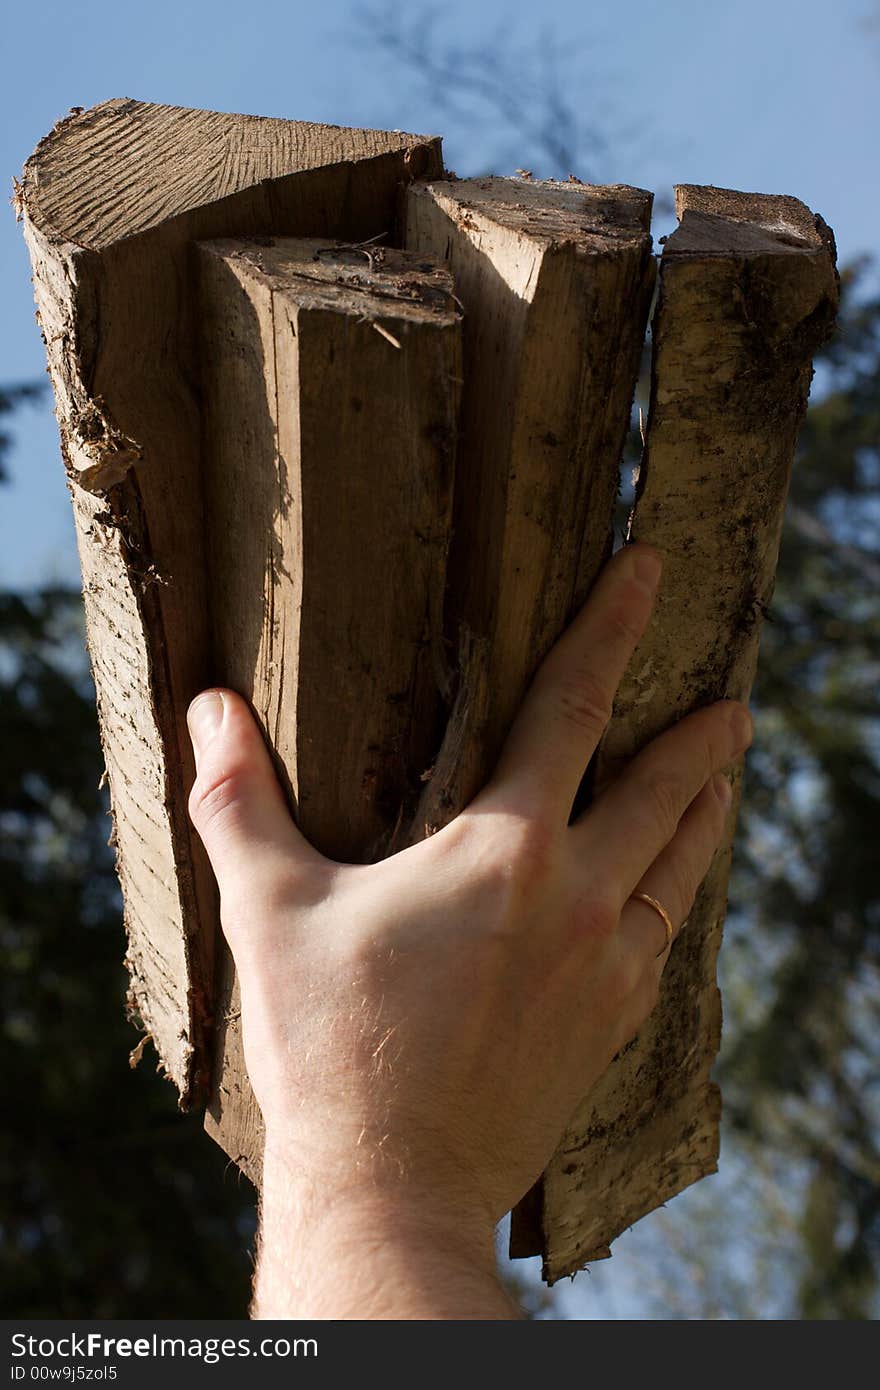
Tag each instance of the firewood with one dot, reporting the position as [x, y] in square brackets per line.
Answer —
[112, 201]
[555, 281]
[748, 292]
[331, 377]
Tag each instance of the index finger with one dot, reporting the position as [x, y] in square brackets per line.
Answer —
[569, 702]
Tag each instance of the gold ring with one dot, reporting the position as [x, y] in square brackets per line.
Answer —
[658, 907]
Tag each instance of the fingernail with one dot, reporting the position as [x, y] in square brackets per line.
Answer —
[722, 789]
[741, 727]
[204, 717]
[647, 566]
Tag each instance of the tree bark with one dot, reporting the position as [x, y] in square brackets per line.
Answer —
[748, 291]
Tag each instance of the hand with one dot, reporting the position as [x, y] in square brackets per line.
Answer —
[418, 1031]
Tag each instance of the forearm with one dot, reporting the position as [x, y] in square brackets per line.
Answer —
[364, 1254]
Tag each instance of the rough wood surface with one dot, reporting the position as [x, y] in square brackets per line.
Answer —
[112, 200]
[555, 280]
[748, 291]
[551, 277]
[331, 381]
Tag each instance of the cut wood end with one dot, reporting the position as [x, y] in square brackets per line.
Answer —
[778, 257]
[124, 167]
[546, 210]
[728, 221]
[338, 277]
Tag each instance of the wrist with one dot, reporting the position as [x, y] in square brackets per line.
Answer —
[354, 1243]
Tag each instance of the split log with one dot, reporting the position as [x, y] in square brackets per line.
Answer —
[112, 200]
[556, 282]
[331, 379]
[748, 291]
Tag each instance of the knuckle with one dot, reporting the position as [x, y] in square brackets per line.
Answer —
[584, 702]
[213, 802]
[519, 859]
[531, 850]
[664, 795]
[623, 620]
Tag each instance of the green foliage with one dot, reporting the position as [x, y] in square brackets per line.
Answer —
[801, 1069]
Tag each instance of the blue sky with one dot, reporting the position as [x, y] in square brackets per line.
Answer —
[764, 95]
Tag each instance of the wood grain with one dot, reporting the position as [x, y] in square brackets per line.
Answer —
[112, 201]
[331, 380]
[555, 280]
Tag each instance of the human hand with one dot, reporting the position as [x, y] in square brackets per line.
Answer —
[417, 1032]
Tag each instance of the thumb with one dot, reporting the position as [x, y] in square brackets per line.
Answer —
[236, 803]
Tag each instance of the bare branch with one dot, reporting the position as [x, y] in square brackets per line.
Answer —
[810, 528]
[524, 87]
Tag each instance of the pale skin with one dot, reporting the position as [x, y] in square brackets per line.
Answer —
[418, 1032]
